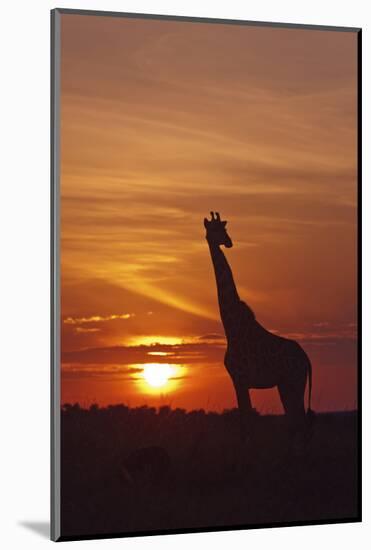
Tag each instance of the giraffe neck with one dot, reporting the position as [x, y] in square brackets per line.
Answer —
[228, 298]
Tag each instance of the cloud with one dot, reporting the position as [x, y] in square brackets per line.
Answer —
[98, 371]
[186, 353]
[86, 330]
[212, 337]
[96, 319]
[206, 349]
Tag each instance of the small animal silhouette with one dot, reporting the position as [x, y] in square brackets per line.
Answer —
[255, 357]
[146, 465]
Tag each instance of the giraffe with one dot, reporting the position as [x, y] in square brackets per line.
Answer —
[256, 358]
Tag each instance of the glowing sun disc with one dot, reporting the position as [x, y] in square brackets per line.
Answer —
[157, 374]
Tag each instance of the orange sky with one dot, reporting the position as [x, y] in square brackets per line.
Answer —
[163, 121]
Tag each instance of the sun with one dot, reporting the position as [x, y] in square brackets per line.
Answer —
[157, 374]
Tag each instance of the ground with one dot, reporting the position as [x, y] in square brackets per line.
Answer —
[139, 470]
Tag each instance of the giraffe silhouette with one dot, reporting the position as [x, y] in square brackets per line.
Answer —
[255, 357]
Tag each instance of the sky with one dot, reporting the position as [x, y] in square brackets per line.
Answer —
[163, 121]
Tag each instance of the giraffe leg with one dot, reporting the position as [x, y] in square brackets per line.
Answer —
[245, 408]
[292, 397]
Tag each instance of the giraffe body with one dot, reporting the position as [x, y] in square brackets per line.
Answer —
[256, 358]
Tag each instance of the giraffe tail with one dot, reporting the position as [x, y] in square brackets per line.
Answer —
[310, 412]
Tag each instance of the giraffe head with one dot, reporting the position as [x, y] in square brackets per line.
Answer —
[216, 232]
